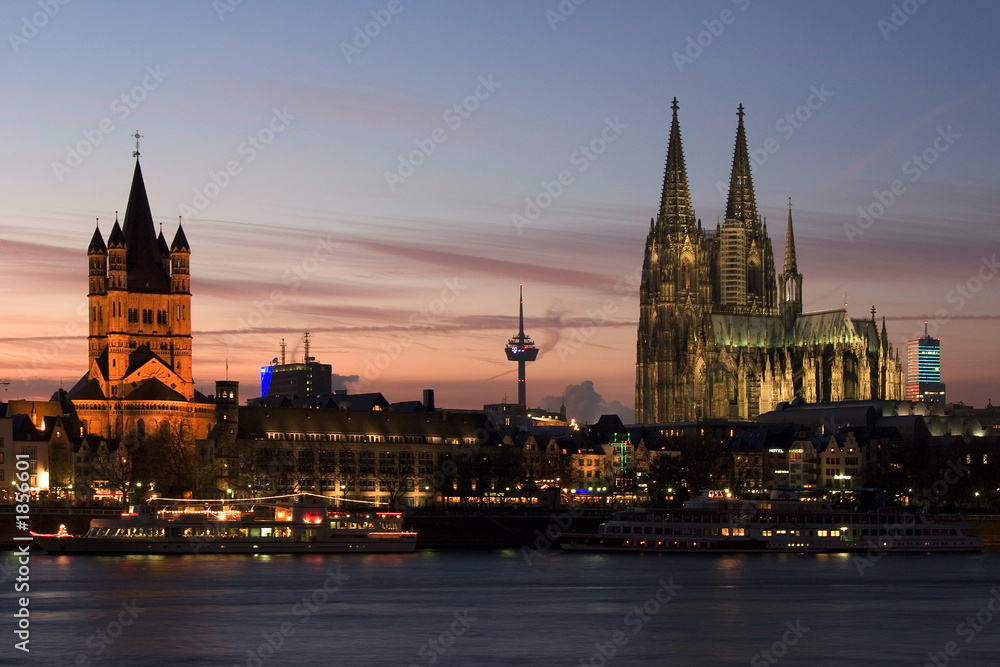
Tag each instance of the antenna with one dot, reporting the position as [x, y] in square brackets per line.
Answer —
[305, 342]
[283, 351]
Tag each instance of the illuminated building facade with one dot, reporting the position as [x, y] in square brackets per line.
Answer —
[139, 341]
[923, 370]
[721, 334]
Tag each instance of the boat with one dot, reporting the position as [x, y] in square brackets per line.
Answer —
[781, 524]
[237, 527]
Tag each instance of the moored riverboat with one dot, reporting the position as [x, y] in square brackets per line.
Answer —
[238, 527]
[779, 525]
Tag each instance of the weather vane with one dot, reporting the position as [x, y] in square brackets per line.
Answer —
[137, 137]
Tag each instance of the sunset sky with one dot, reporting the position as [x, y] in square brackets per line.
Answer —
[285, 135]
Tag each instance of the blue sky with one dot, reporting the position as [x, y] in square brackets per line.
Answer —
[367, 267]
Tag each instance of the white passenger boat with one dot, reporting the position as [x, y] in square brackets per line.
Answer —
[719, 524]
[238, 527]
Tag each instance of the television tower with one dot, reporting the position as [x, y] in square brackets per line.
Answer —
[521, 349]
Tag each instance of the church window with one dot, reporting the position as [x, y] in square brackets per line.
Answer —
[147, 316]
[161, 317]
[133, 315]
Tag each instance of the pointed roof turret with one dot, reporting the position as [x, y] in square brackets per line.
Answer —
[143, 261]
[675, 201]
[180, 243]
[116, 239]
[97, 246]
[742, 204]
[161, 243]
[791, 266]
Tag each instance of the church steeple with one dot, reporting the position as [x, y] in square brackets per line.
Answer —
[791, 266]
[790, 281]
[741, 204]
[143, 261]
[675, 201]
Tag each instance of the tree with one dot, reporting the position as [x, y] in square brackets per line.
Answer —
[166, 460]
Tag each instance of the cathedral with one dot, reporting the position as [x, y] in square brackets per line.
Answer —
[721, 335]
[139, 343]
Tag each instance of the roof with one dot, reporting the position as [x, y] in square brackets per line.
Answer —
[257, 421]
[180, 243]
[97, 246]
[86, 389]
[154, 390]
[821, 327]
[143, 260]
[116, 239]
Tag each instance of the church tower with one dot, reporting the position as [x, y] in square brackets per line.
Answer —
[674, 297]
[139, 334]
[744, 258]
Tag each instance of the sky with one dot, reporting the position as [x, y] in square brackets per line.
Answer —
[385, 174]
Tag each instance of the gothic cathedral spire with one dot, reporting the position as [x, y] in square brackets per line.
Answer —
[790, 281]
[675, 202]
[742, 204]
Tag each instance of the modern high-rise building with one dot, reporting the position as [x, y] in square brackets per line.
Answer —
[923, 370]
[722, 334]
[308, 379]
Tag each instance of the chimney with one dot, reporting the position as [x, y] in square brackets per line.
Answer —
[429, 400]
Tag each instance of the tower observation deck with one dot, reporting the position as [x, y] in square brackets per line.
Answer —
[521, 349]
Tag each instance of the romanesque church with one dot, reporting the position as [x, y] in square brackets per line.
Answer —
[720, 334]
[139, 344]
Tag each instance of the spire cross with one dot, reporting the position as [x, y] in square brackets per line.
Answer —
[137, 137]
[873, 313]
[675, 106]
[740, 113]
[845, 300]
[789, 203]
